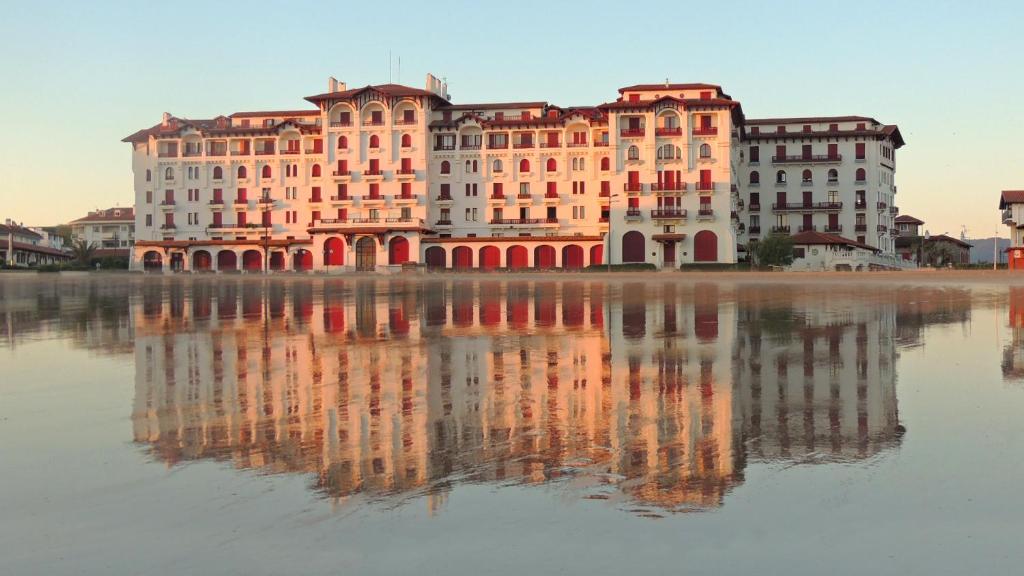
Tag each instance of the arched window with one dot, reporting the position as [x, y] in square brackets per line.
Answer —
[496, 167]
[633, 153]
[149, 175]
[476, 167]
[374, 141]
[575, 164]
[780, 177]
[606, 164]
[266, 172]
[446, 167]
[524, 165]
[755, 177]
[469, 167]
[833, 175]
[406, 141]
[633, 249]
[242, 172]
[342, 142]
[861, 175]
[169, 173]
[582, 160]
[705, 151]
[806, 176]
[316, 170]
[552, 165]
[218, 173]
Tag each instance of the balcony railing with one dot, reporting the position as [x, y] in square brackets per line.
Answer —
[342, 173]
[894, 210]
[705, 131]
[810, 228]
[340, 124]
[372, 172]
[390, 220]
[192, 153]
[444, 146]
[705, 212]
[373, 123]
[340, 198]
[882, 205]
[167, 154]
[780, 229]
[404, 122]
[497, 145]
[632, 212]
[372, 197]
[316, 199]
[551, 194]
[600, 143]
[405, 172]
[834, 229]
[168, 227]
[632, 132]
[633, 187]
[497, 196]
[668, 187]
[755, 207]
[241, 152]
[668, 213]
[805, 206]
[807, 158]
[290, 151]
[522, 145]
[603, 220]
[1007, 215]
[754, 229]
[882, 227]
[705, 186]
[241, 201]
[443, 223]
[669, 131]
[265, 152]
[514, 221]
[444, 198]
[216, 202]
[576, 144]
[167, 203]
[860, 227]
[465, 146]
[550, 144]
[858, 205]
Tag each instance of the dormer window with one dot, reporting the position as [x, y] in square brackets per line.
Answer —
[634, 97]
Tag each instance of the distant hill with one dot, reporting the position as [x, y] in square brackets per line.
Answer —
[981, 250]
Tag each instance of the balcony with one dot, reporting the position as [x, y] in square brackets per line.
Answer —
[860, 205]
[340, 124]
[372, 175]
[604, 194]
[602, 220]
[894, 232]
[633, 215]
[376, 123]
[443, 147]
[1007, 216]
[496, 197]
[372, 198]
[780, 229]
[265, 152]
[632, 133]
[810, 228]
[477, 146]
[167, 204]
[265, 201]
[551, 195]
[806, 206]
[881, 206]
[668, 131]
[860, 227]
[291, 151]
[706, 131]
[314, 151]
[444, 198]
[882, 228]
[550, 144]
[241, 202]
[443, 223]
[168, 227]
[404, 198]
[405, 173]
[600, 142]
[633, 187]
[755, 207]
[669, 187]
[245, 152]
[523, 196]
[342, 174]
[316, 199]
[705, 186]
[342, 198]
[894, 210]
[382, 224]
[522, 221]
[668, 213]
[808, 159]
[576, 144]
[497, 145]
[167, 154]
[522, 145]
[216, 204]
[834, 229]
[405, 122]
[192, 153]
[705, 214]
[754, 230]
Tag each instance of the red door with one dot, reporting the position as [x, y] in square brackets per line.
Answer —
[572, 257]
[462, 258]
[490, 258]
[705, 246]
[398, 251]
[516, 257]
[544, 257]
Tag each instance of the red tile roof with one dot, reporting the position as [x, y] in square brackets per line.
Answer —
[494, 106]
[276, 113]
[1011, 197]
[6, 229]
[127, 215]
[664, 86]
[387, 89]
[945, 238]
[890, 131]
[907, 219]
[814, 238]
[811, 120]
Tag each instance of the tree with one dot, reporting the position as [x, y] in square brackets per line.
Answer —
[775, 250]
[83, 251]
[938, 253]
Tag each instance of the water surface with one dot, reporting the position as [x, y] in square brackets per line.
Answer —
[551, 424]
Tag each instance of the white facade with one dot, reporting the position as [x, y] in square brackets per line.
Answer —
[379, 176]
[110, 231]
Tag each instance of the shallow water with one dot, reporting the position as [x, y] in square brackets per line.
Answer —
[454, 426]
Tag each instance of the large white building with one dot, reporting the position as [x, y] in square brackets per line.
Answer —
[111, 231]
[375, 177]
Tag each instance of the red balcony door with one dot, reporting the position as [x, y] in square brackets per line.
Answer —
[406, 165]
[633, 178]
[705, 122]
[833, 221]
[552, 139]
[342, 214]
[808, 221]
[376, 117]
[806, 151]
[705, 179]
[169, 196]
[266, 218]
[808, 198]
[318, 146]
[833, 150]
[240, 219]
[218, 219]
[316, 194]
[374, 166]
[408, 116]
[780, 151]
[634, 123]
[780, 199]
[218, 195]
[242, 195]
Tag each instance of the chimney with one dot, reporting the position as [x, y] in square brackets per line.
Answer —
[166, 119]
[332, 84]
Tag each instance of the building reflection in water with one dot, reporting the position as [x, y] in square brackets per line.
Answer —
[654, 396]
[1013, 352]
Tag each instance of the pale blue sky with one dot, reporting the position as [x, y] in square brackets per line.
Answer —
[79, 76]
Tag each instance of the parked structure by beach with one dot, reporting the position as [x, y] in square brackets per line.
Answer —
[22, 247]
[380, 176]
[111, 231]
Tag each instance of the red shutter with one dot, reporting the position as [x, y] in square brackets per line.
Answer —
[780, 152]
[833, 150]
[860, 151]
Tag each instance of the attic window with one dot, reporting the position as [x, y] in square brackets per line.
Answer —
[525, 115]
[634, 97]
[499, 116]
[117, 212]
[268, 122]
[706, 95]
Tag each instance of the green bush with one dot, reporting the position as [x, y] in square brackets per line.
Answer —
[631, 267]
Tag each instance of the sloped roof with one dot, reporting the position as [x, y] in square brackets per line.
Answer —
[1011, 197]
[387, 89]
[815, 238]
[284, 113]
[6, 229]
[811, 120]
[907, 219]
[945, 238]
[127, 215]
[669, 86]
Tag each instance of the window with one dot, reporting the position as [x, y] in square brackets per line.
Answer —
[861, 175]
[149, 219]
[705, 151]
[755, 154]
[633, 153]
[606, 164]
[496, 166]
[374, 141]
[266, 172]
[169, 174]
[406, 139]
[755, 177]
[552, 165]
[316, 170]
[218, 173]
[446, 167]
[833, 175]
[149, 175]
[524, 166]
[342, 143]
[149, 196]
[780, 177]
[860, 152]
[806, 176]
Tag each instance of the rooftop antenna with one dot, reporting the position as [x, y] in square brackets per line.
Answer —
[666, 82]
[389, 66]
[399, 73]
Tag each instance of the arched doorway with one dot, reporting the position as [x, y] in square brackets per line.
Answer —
[633, 247]
[435, 257]
[490, 258]
[705, 246]
[277, 260]
[202, 261]
[596, 255]
[366, 254]
[572, 257]
[302, 261]
[152, 261]
[516, 257]
[398, 251]
[544, 257]
[252, 261]
[462, 258]
[334, 252]
[227, 261]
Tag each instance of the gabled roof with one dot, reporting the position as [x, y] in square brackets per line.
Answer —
[126, 215]
[494, 106]
[6, 229]
[687, 103]
[811, 120]
[275, 113]
[815, 238]
[887, 131]
[669, 86]
[907, 219]
[945, 238]
[386, 89]
[1011, 197]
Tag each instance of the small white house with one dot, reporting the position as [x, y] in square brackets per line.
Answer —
[818, 251]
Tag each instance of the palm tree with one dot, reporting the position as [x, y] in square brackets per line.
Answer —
[83, 251]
